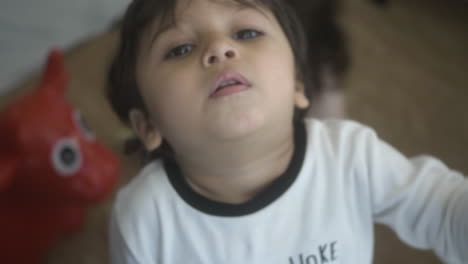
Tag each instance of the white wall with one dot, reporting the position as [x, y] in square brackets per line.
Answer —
[29, 28]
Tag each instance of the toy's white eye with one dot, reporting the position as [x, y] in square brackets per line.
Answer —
[66, 157]
[82, 125]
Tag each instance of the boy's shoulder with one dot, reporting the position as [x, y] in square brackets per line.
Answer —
[333, 123]
[336, 128]
[340, 138]
[140, 192]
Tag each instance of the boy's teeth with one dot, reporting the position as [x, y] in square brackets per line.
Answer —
[228, 82]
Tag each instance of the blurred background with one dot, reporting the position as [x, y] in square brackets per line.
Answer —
[408, 79]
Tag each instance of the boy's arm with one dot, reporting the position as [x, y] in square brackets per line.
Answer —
[425, 202]
[118, 248]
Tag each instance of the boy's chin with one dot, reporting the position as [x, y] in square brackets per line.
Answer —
[244, 120]
[236, 127]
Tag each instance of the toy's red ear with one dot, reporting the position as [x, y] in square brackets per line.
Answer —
[8, 167]
[55, 76]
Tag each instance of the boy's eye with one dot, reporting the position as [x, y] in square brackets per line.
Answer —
[247, 34]
[180, 50]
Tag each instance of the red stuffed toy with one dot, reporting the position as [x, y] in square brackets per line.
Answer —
[51, 169]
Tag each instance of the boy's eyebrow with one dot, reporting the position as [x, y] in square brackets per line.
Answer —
[168, 26]
[160, 31]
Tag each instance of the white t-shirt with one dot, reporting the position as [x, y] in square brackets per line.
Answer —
[341, 179]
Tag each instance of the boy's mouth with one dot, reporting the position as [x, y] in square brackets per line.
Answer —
[229, 83]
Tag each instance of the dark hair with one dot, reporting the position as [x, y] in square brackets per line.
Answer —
[122, 89]
[327, 44]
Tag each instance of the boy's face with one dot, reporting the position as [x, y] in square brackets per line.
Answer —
[182, 72]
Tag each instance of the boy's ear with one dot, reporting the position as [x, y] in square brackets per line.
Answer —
[145, 130]
[300, 99]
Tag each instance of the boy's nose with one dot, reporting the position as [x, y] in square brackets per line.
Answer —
[218, 51]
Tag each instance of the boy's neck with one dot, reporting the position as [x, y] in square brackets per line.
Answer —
[240, 172]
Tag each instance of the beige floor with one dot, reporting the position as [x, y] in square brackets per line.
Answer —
[408, 81]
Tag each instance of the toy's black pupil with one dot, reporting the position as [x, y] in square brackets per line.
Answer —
[68, 156]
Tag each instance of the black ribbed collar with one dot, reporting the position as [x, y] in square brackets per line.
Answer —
[261, 200]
